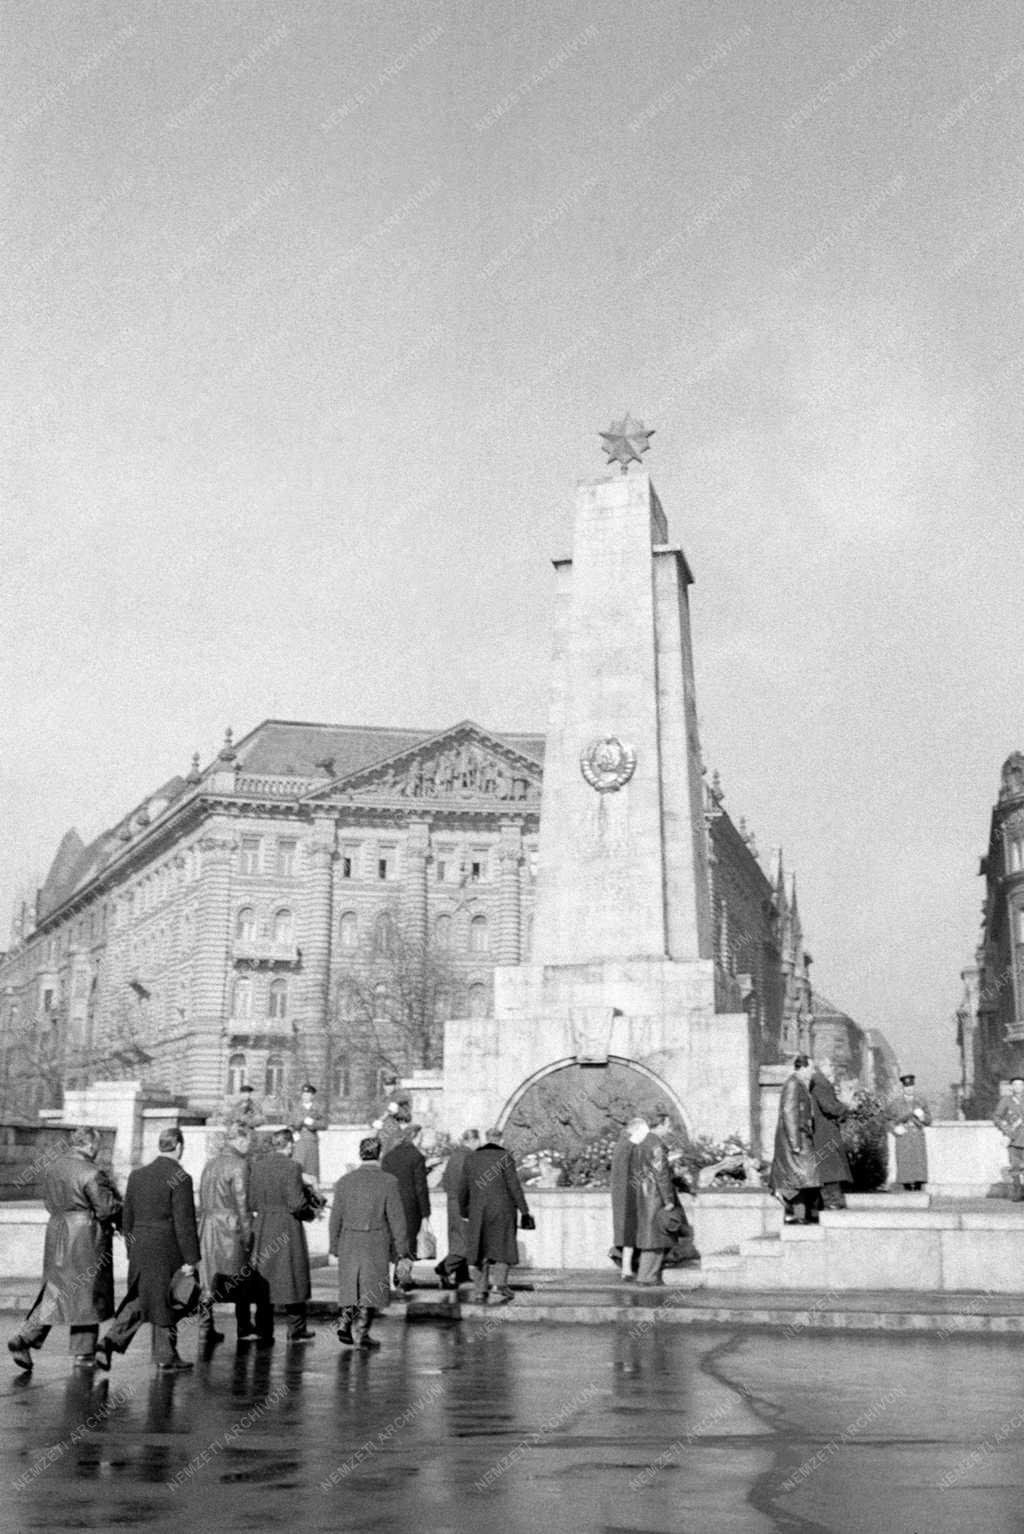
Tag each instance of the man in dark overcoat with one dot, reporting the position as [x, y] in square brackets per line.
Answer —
[78, 1280]
[794, 1176]
[281, 1204]
[489, 1196]
[453, 1267]
[625, 1252]
[829, 1113]
[367, 1228]
[408, 1165]
[225, 1241]
[161, 1235]
[307, 1129]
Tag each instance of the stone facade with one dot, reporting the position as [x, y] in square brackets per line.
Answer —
[990, 1018]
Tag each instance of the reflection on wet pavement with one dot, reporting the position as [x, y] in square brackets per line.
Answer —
[524, 1428]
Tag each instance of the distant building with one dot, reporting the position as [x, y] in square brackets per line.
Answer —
[990, 1017]
[316, 902]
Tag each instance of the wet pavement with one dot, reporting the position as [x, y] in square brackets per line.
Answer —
[529, 1430]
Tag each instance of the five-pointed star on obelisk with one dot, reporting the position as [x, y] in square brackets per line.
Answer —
[625, 440]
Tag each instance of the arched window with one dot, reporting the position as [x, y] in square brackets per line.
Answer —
[341, 1084]
[443, 932]
[245, 925]
[477, 998]
[1020, 924]
[273, 1081]
[479, 938]
[284, 927]
[236, 1074]
[1017, 854]
[277, 999]
[380, 1002]
[348, 930]
[243, 997]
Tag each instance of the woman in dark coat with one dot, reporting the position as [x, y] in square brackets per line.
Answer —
[280, 1204]
[307, 1134]
[829, 1113]
[794, 1165]
[489, 1197]
[78, 1278]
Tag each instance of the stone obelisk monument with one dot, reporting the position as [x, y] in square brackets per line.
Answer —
[621, 966]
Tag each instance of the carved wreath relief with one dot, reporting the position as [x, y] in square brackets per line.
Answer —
[607, 764]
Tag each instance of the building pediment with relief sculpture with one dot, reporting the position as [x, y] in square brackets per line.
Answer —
[459, 766]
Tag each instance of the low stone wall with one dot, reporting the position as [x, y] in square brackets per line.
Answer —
[26, 1150]
[967, 1158]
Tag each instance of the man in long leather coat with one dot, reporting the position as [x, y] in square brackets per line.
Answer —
[78, 1280]
[794, 1175]
[225, 1241]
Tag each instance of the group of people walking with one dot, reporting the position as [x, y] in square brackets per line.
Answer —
[246, 1244]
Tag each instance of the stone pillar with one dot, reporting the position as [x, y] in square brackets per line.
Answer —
[311, 1018]
[510, 859]
[205, 1066]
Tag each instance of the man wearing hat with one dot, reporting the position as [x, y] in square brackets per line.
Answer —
[78, 1280]
[490, 1195]
[1009, 1117]
[907, 1115]
[367, 1228]
[163, 1245]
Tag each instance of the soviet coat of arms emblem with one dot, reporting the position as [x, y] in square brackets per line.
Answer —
[607, 764]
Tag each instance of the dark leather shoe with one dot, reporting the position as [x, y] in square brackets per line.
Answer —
[504, 1297]
[211, 1338]
[368, 1342]
[103, 1352]
[345, 1335]
[21, 1354]
[175, 1366]
[304, 1336]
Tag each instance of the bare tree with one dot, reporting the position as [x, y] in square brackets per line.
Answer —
[388, 1007]
[44, 1058]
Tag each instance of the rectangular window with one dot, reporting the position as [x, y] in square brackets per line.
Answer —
[286, 859]
[48, 1000]
[346, 866]
[442, 870]
[475, 874]
[249, 857]
[383, 864]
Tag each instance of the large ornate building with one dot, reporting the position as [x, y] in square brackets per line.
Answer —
[990, 1018]
[317, 901]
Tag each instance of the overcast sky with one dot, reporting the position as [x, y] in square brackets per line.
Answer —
[317, 308]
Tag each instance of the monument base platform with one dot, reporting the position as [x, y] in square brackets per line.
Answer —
[885, 1242]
